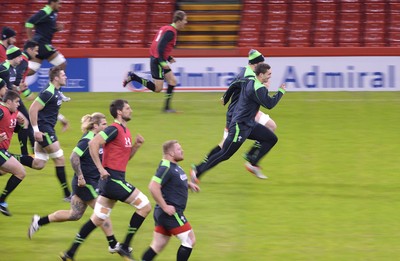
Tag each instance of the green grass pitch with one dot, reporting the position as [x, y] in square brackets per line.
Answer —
[332, 192]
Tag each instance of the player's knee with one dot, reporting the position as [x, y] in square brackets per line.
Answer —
[186, 239]
[38, 163]
[101, 211]
[58, 155]
[142, 204]
[20, 174]
[33, 67]
[59, 60]
[271, 125]
[75, 215]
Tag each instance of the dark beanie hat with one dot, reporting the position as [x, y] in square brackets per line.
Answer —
[255, 57]
[7, 33]
[13, 52]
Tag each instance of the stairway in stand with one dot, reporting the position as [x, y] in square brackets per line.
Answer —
[210, 24]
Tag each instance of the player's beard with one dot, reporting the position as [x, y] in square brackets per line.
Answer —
[126, 118]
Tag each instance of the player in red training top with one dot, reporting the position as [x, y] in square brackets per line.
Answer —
[9, 118]
[160, 54]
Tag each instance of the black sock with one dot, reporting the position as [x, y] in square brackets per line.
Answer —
[86, 229]
[149, 255]
[168, 96]
[12, 183]
[253, 152]
[111, 241]
[23, 141]
[148, 84]
[134, 225]
[25, 160]
[44, 221]
[60, 171]
[183, 253]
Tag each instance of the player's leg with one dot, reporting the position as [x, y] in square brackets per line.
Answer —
[267, 121]
[34, 65]
[188, 241]
[55, 152]
[157, 245]
[213, 151]
[171, 80]
[9, 164]
[235, 139]
[23, 134]
[142, 204]
[102, 211]
[156, 73]
[267, 140]
[78, 208]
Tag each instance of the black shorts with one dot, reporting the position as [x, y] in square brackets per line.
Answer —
[48, 139]
[87, 193]
[115, 186]
[157, 72]
[170, 225]
[4, 156]
[45, 51]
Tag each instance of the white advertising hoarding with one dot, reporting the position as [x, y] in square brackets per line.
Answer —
[355, 73]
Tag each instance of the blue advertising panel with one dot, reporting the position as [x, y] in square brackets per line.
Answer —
[77, 76]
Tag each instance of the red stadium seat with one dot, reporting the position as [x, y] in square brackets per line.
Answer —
[86, 28]
[299, 39]
[326, 17]
[330, 8]
[274, 18]
[375, 7]
[110, 28]
[67, 8]
[136, 9]
[87, 19]
[112, 8]
[350, 7]
[274, 39]
[350, 27]
[301, 8]
[111, 18]
[16, 9]
[300, 19]
[276, 8]
[60, 38]
[324, 37]
[349, 37]
[83, 40]
[134, 27]
[374, 39]
[88, 8]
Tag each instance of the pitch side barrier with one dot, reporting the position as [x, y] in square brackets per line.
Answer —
[303, 69]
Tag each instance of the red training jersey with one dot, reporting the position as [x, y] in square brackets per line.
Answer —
[3, 55]
[7, 125]
[117, 152]
[156, 41]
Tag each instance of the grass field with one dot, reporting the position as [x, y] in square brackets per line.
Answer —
[332, 192]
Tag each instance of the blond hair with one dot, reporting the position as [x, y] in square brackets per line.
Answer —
[168, 145]
[88, 121]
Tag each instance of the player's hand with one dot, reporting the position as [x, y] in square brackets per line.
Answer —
[170, 210]
[283, 86]
[104, 174]
[3, 136]
[81, 181]
[65, 125]
[193, 187]
[172, 60]
[38, 136]
[139, 140]
[21, 122]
